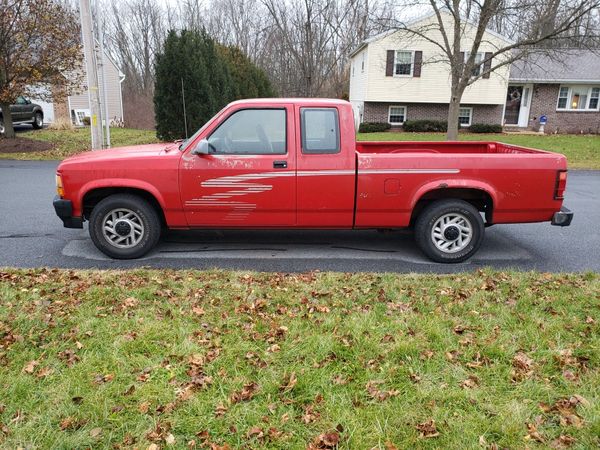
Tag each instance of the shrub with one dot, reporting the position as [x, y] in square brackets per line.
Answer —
[86, 121]
[61, 123]
[425, 125]
[485, 128]
[373, 127]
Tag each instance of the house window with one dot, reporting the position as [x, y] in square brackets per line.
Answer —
[477, 67]
[563, 97]
[594, 98]
[403, 63]
[464, 117]
[397, 115]
[578, 98]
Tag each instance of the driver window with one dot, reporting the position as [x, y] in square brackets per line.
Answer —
[251, 132]
[21, 100]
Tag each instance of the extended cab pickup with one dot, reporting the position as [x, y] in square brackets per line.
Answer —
[295, 163]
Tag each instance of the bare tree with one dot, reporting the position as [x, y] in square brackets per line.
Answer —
[533, 27]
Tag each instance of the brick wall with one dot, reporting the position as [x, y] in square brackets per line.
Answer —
[544, 101]
[378, 112]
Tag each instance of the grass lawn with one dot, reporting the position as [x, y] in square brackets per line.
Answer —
[582, 151]
[70, 142]
[151, 359]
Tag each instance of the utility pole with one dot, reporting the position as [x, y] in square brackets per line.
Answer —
[104, 97]
[89, 51]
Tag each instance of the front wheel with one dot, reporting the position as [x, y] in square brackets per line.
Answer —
[124, 226]
[449, 231]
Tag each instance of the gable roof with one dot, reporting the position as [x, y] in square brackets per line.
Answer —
[416, 20]
[569, 65]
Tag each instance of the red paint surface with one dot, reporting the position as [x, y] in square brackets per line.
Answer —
[383, 179]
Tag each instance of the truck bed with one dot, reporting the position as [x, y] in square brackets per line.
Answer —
[441, 147]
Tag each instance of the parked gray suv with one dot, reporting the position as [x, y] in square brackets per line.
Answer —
[23, 111]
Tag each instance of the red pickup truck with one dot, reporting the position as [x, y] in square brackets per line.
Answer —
[295, 163]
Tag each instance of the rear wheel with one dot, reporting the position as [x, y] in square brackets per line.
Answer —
[124, 226]
[449, 231]
[38, 120]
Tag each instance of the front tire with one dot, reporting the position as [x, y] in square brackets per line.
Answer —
[124, 226]
[449, 231]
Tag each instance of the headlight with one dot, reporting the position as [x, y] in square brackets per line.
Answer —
[59, 186]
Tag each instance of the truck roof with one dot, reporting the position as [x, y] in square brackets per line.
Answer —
[302, 101]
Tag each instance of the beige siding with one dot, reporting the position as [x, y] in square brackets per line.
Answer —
[433, 86]
[80, 100]
[358, 75]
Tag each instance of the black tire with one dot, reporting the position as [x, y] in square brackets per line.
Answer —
[469, 218]
[146, 216]
[38, 120]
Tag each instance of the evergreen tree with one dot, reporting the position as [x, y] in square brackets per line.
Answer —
[249, 80]
[189, 58]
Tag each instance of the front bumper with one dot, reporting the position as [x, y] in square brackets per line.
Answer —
[563, 217]
[64, 210]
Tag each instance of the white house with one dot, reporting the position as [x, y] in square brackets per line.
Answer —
[76, 106]
[397, 76]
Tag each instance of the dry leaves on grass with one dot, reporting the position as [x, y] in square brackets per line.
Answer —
[379, 394]
[523, 367]
[245, 394]
[470, 383]
[427, 429]
[566, 408]
[329, 440]
[30, 366]
[563, 441]
[289, 383]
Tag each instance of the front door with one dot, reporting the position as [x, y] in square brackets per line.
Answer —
[513, 105]
[249, 177]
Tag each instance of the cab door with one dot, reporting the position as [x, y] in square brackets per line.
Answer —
[248, 179]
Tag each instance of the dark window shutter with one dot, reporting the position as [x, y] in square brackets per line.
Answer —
[418, 63]
[389, 65]
[487, 65]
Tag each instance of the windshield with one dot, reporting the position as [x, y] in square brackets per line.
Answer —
[186, 142]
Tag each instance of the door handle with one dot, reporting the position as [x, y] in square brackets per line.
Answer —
[280, 164]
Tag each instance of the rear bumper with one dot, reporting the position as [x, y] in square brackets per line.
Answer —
[563, 217]
[64, 210]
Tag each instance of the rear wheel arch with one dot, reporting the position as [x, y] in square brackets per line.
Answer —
[480, 198]
[94, 196]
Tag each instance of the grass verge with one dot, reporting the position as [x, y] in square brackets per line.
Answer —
[582, 151]
[70, 142]
[193, 359]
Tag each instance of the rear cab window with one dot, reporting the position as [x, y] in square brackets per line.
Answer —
[320, 131]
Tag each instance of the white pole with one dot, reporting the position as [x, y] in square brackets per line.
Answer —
[91, 72]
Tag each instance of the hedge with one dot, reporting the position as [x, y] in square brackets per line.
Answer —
[425, 125]
[485, 128]
[373, 127]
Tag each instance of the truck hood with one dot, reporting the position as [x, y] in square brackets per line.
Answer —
[125, 153]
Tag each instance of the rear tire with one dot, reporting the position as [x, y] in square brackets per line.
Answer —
[449, 231]
[38, 120]
[124, 226]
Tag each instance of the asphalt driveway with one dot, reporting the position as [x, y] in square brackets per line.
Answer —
[32, 236]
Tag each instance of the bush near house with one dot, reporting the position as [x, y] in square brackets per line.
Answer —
[373, 127]
[485, 128]
[425, 126]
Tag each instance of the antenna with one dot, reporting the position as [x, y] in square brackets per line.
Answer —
[184, 115]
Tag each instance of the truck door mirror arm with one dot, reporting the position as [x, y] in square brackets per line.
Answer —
[203, 148]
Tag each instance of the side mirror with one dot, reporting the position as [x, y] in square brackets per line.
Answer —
[202, 148]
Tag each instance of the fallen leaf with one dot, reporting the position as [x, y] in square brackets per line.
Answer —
[427, 429]
[533, 433]
[95, 432]
[289, 383]
[563, 441]
[328, 440]
[170, 439]
[245, 394]
[144, 407]
[470, 383]
[30, 366]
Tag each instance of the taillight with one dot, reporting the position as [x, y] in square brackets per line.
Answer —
[561, 185]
